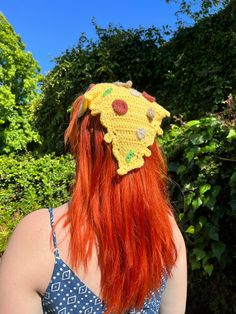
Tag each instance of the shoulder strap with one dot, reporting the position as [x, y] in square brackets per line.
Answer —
[56, 253]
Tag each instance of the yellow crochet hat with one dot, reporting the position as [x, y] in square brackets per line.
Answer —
[132, 120]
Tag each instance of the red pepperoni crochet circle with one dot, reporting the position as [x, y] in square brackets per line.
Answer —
[120, 106]
[148, 97]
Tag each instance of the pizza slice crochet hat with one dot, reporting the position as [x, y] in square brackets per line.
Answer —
[132, 120]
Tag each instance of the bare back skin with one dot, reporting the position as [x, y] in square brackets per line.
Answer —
[91, 278]
[27, 265]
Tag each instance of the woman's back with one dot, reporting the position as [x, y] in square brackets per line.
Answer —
[118, 236]
[32, 294]
[67, 292]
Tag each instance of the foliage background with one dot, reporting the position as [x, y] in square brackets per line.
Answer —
[19, 76]
[193, 75]
[201, 159]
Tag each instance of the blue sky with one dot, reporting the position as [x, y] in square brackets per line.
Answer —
[50, 27]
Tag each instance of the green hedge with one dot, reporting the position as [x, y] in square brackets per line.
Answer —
[201, 159]
[28, 183]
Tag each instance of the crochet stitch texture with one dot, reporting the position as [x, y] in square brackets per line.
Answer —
[132, 120]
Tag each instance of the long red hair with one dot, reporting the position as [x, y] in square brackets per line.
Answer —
[125, 217]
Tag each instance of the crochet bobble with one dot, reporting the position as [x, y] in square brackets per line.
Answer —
[127, 84]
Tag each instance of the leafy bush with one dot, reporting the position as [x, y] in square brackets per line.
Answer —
[201, 158]
[198, 65]
[19, 77]
[28, 183]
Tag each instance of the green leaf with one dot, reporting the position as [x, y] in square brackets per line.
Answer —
[197, 139]
[216, 190]
[232, 135]
[190, 155]
[213, 233]
[192, 123]
[204, 188]
[181, 215]
[208, 269]
[200, 254]
[189, 187]
[202, 220]
[195, 265]
[217, 249]
[181, 169]
[190, 229]
[205, 259]
[211, 148]
[210, 201]
[196, 203]
[188, 198]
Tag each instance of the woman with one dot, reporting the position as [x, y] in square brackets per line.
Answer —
[115, 246]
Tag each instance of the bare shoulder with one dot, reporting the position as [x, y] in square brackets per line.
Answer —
[27, 231]
[178, 236]
[29, 246]
[31, 223]
[33, 231]
[175, 294]
[34, 224]
[25, 238]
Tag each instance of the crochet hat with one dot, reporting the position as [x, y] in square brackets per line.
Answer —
[132, 120]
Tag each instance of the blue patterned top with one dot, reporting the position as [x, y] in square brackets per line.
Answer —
[67, 294]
